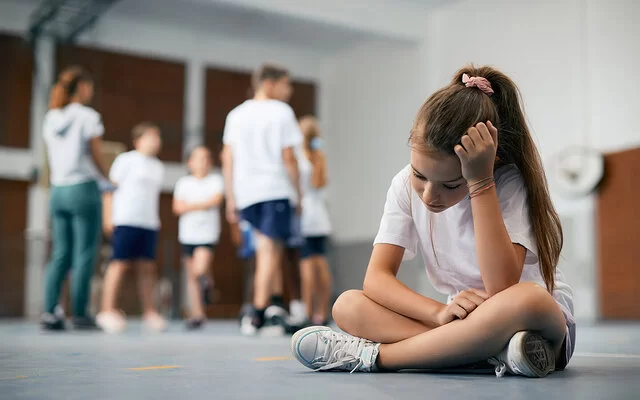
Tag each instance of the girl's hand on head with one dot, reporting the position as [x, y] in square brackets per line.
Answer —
[461, 306]
[477, 152]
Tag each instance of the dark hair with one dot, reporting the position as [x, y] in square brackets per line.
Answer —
[67, 85]
[268, 72]
[445, 117]
[141, 128]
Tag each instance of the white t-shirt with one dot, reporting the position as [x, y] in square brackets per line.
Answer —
[407, 223]
[139, 179]
[258, 131]
[203, 226]
[67, 132]
[315, 217]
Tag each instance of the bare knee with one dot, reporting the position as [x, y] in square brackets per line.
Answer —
[346, 308]
[533, 303]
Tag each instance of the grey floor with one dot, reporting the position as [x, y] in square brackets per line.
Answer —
[217, 363]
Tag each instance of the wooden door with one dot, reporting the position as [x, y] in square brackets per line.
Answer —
[13, 222]
[16, 70]
[226, 89]
[618, 223]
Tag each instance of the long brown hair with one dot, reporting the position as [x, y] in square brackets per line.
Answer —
[445, 117]
[310, 130]
[67, 85]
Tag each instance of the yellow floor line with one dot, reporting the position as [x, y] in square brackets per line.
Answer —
[273, 358]
[14, 378]
[154, 367]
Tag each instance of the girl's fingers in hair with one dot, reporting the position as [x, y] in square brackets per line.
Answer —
[478, 140]
[493, 131]
[467, 143]
[480, 293]
[460, 152]
[484, 132]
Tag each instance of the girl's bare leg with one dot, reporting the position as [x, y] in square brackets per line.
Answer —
[483, 334]
[360, 316]
[308, 278]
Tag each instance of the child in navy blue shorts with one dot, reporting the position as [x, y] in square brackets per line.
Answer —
[261, 174]
[135, 222]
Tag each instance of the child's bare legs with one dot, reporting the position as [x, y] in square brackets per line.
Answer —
[193, 290]
[146, 283]
[483, 334]
[202, 257]
[268, 261]
[109, 319]
[308, 278]
[324, 286]
[111, 284]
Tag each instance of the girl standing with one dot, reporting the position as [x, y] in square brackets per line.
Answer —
[474, 201]
[73, 135]
[316, 226]
[196, 200]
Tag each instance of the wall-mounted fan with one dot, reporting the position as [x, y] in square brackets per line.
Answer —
[577, 171]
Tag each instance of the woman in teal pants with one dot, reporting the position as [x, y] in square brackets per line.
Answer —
[73, 134]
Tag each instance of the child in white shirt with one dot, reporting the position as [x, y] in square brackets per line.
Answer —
[474, 202]
[261, 174]
[196, 200]
[135, 222]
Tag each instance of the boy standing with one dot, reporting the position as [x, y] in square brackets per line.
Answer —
[134, 223]
[260, 169]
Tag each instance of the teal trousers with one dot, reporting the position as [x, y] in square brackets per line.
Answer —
[76, 220]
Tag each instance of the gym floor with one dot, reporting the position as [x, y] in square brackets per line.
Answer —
[217, 363]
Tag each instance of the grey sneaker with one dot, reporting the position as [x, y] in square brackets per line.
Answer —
[527, 354]
[322, 349]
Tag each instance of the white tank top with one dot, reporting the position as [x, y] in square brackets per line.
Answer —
[315, 217]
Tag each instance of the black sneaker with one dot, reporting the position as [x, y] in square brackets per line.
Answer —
[193, 324]
[52, 322]
[85, 323]
[276, 315]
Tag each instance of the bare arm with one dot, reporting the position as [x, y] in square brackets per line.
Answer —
[96, 155]
[382, 286]
[107, 224]
[318, 170]
[500, 261]
[291, 164]
[227, 173]
[180, 206]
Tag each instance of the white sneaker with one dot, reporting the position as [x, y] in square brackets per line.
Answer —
[246, 326]
[154, 322]
[111, 321]
[322, 349]
[527, 354]
[298, 313]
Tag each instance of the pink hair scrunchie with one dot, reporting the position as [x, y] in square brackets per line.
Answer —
[478, 82]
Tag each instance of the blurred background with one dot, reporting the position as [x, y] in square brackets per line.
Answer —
[363, 67]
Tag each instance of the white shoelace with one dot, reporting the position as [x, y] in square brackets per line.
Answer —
[501, 367]
[347, 353]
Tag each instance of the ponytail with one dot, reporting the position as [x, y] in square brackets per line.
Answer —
[520, 149]
[67, 85]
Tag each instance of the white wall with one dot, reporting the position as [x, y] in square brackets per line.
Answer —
[372, 97]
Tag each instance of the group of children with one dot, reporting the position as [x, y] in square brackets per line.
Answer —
[270, 170]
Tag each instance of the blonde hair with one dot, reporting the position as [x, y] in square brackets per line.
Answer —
[140, 129]
[310, 129]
